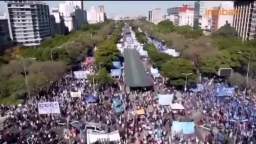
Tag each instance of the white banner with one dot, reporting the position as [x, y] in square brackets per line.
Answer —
[94, 136]
[48, 107]
[75, 94]
[80, 74]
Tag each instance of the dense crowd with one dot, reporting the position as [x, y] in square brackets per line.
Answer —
[233, 117]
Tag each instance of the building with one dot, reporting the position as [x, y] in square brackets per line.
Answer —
[173, 18]
[57, 22]
[204, 18]
[245, 19]
[221, 15]
[4, 32]
[29, 22]
[173, 15]
[96, 14]
[186, 16]
[155, 16]
[102, 14]
[196, 14]
[150, 15]
[205, 23]
[73, 14]
[173, 11]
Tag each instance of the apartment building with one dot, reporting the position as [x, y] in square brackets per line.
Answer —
[29, 22]
[73, 14]
[173, 15]
[155, 16]
[186, 16]
[4, 32]
[245, 19]
[96, 14]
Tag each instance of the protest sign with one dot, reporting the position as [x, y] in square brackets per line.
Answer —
[48, 107]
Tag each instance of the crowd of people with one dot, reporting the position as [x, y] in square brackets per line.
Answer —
[233, 117]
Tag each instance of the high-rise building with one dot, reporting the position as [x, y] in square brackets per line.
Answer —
[96, 14]
[173, 11]
[4, 32]
[196, 14]
[204, 18]
[245, 19]
[156, 16]
[29, 22]
[219, 16]
[150, 15]
[73, 15]
[173, 15]
[57, 22]
[186, 16]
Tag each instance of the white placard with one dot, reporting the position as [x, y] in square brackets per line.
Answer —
[75, 94]
[48, 108]
[93, 136]
[80, 74]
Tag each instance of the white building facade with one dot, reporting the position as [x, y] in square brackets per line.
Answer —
[155, 16]
[29, 22]
[245, 19]
[186, 16]
[96, 15]
[73, 14]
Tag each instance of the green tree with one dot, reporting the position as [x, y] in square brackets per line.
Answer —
[237, 79]
[156, 57]
[103, 79]
[175, 70]
[165, 26]
[226, 31]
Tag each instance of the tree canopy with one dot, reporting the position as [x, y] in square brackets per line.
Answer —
[176, 69]
[226, 31]
[47, 63]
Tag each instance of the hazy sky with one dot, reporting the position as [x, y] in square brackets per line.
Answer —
[126, 8]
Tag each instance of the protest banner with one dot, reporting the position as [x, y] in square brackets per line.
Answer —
[75, 94]
[48, 108]
[94, 136]
[80, 74]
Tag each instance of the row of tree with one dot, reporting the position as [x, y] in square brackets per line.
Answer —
[206, 53]
[106, 53]
[25, 71]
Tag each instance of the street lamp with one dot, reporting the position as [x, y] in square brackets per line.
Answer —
[26, 78]
[24, 70]
[186, 74]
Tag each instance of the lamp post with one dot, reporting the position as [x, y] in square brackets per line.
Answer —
[26, 78]
[186, 74]
[25, 74]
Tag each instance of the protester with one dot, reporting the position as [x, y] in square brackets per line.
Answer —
[234, 117]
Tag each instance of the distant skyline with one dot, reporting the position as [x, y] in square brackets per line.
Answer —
[126, 8]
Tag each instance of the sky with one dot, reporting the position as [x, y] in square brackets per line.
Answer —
[126, 8]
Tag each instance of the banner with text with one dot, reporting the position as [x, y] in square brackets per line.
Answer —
[48, 108]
